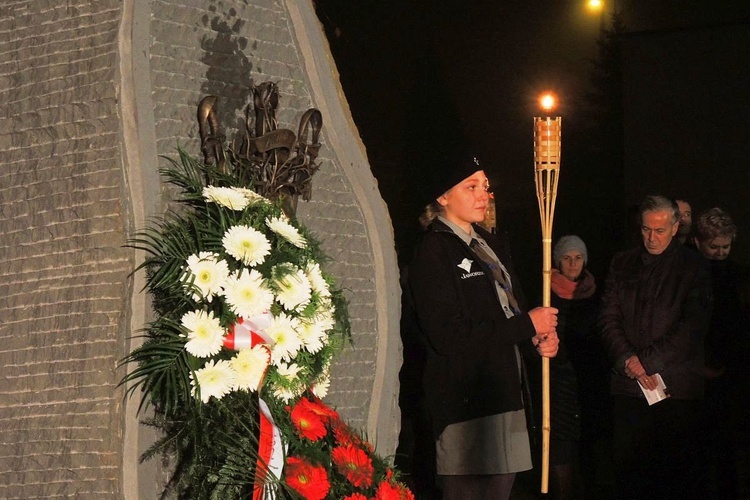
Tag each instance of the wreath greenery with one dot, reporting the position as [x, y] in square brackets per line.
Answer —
[244, 314]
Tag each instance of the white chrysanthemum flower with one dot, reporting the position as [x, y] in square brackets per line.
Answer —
[285, 394]
[282, 227]
[214, 379]
[253, 197]
[283, 332]
[246, 244]
[229, 197]
[247, 294]
[204, 333]
[289, 371]
[321, 386]
[318, 283]
[313, 336]
[294, 290]
[324, 316]
[206, 272]
[250, 366]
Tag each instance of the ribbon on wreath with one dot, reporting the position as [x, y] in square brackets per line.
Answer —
[247, 333]
[270, 454]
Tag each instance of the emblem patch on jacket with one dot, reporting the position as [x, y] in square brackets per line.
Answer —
[466, 265]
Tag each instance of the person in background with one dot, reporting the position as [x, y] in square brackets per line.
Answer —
[469, 307]
[578, 375]
[725, 440]
[655, 312]
[686, 222]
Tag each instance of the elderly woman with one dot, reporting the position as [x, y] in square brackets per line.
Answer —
[470, 310]
[725, 438]
[578, 375]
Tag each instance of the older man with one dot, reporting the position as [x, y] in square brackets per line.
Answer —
[655, 312]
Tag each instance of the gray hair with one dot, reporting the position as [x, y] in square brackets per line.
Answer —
[657, 203]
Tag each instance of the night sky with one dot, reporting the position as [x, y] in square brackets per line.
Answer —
[424, 79]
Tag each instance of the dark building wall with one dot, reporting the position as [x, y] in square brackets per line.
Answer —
[686, 128]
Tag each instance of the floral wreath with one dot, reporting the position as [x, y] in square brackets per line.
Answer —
[238, 358]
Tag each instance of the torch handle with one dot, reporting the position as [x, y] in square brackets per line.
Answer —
[546, 167]
[546, 301]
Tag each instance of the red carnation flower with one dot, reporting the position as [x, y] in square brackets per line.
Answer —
[344, 436]
[310, 481]
[341, 432]
[391, 491]
[354, 464]
[355, 496]
[308, 423]
[320, 408]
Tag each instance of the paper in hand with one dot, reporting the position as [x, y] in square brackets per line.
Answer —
[658, 394]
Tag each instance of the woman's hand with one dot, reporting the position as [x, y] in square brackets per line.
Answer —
[545, 323]
[544, 320]
[547, 345]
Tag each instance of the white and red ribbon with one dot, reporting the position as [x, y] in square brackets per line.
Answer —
[270, 454]
[247, 333]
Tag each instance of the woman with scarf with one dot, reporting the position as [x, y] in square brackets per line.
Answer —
[578, 375]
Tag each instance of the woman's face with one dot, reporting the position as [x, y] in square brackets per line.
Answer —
[571, 264]
[466, 202]
[716, 248]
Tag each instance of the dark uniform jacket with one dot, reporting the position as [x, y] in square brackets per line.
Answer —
[471, 369]
[658, 308]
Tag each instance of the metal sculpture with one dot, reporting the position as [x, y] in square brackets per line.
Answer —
[274, 162]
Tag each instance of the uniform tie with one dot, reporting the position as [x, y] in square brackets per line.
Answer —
[497, 274]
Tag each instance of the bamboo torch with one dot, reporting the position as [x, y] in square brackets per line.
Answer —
[547, 133]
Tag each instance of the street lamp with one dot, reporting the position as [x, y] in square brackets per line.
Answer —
[595, 5]
[547, 133]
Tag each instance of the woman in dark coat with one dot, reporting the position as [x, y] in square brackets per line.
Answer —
[725, 439]
[579, 382]
[468, 306]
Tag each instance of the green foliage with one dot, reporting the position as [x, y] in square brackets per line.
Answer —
[213, 445]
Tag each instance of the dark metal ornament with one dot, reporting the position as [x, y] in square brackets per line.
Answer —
[274, 162]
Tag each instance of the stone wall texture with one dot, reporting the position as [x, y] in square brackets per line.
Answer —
[93, 92]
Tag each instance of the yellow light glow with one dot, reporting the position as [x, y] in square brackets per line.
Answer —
[547, 102]
[595, 5]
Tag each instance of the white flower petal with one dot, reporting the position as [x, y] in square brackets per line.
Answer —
[247, 294]
[318, 283]
[246, 244]
[215, 379]
[205, 275]
[294, 290]
[313, 336]
[250, 365]
[229, 197]
[283, 332]
[253, 197]
[287, 231]
[204, 332]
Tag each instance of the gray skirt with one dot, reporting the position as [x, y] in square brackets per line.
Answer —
[498, 444]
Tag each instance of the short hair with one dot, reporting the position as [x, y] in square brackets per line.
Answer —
[657, 203]
[714, 223]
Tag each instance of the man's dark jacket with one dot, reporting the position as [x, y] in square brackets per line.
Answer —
[471, 369]
[657, 307]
